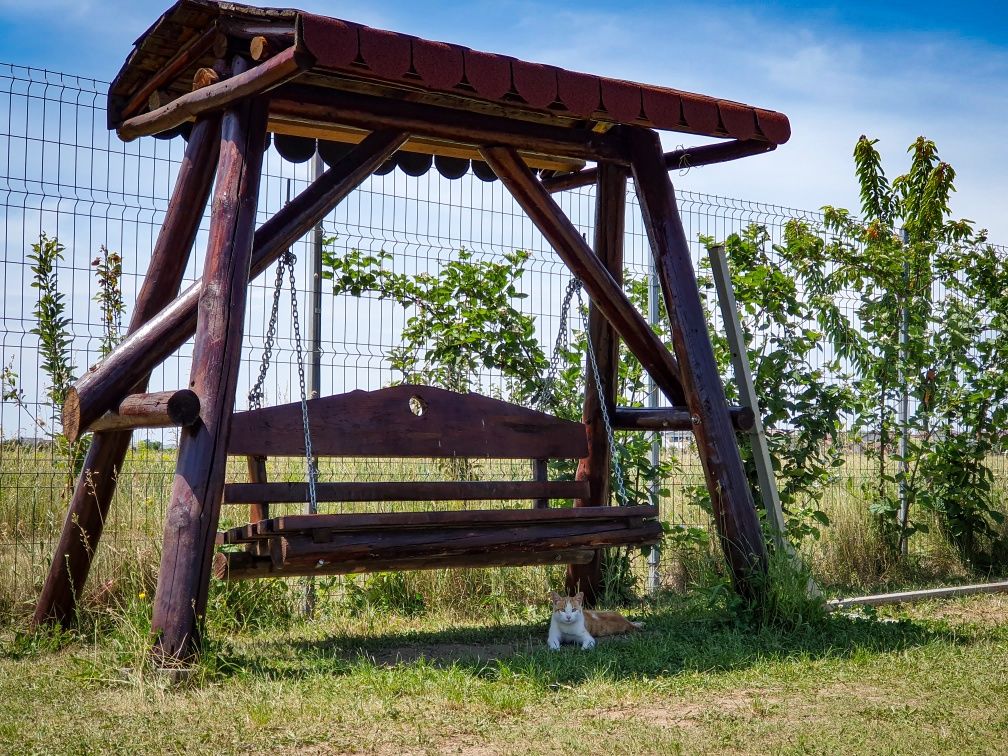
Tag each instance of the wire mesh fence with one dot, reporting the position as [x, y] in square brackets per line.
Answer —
[64, 174]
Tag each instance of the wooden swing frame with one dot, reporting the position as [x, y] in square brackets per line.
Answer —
[292, 73]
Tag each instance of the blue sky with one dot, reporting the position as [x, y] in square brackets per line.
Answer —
[892, 70]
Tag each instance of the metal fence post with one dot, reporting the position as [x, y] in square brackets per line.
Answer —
[314, 347]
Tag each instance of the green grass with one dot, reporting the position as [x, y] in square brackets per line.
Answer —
[931, 679]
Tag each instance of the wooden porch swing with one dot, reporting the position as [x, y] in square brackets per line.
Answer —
[226, 75]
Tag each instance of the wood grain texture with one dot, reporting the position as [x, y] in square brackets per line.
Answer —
[610, 226]
[735, 513]
[382, 423]
[105, 384]
[604, 291]
[673, 418]
[96, 484]
[194, 508]
[255, 81]
[161, 409]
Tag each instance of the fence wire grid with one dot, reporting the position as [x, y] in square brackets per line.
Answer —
[65, 174]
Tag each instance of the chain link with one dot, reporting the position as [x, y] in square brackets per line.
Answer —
[287, 262]
[545, 398]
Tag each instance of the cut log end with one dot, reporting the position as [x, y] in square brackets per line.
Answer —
[184, 407]
[71, 415]
[204, 77]
[260, 48]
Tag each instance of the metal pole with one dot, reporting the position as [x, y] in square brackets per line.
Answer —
[654, 558]
[314, 348]
[904, 408]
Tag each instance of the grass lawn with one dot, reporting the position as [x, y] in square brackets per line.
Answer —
[932, 678]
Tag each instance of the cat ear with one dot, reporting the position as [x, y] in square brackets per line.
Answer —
[579, 597]
[554, 596]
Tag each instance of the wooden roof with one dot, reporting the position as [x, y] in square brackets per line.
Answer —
[356, 58]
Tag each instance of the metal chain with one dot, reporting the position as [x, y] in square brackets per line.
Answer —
[311, 467]
[617, 468]
[288, 261]
[544, 397]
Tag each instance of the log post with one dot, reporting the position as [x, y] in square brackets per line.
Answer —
[610, 215]
[105, 384]
[95, 487]
[732, 502]
[194, 509]
[162, 409]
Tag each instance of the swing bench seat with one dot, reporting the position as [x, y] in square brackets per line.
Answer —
[419, 422]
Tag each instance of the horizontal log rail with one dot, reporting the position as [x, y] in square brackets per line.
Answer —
[161, 409]
[314, 105]
[450, 490]
[105, 384]
[176, 65]
[689, 157]
[255, 81]
[242, 565]
[673, 418]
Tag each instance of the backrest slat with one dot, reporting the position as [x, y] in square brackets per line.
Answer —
[408, 421]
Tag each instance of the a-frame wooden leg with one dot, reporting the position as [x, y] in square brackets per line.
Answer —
[610, 214]
[734, 510]
[194, 509]
[96, 485]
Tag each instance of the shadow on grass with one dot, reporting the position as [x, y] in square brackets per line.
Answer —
[674, 642]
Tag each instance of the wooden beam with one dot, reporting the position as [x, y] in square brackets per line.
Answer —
[540, 472]
[677, 160]
[673, 419]
[595, 467]
[258, 510]
[579, 257]
[194, 508]
[96, 484]
[414, 490]
[316, 105]
[162, 409]
[178, 63]
[254, 81]
[732, 501]
[106, 383]
[242, 565]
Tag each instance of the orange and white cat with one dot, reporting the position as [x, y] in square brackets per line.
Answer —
[572, 624]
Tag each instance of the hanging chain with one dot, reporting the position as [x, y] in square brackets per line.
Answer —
[617, 468]
[287, 261]
[311, 467]
[544, 397]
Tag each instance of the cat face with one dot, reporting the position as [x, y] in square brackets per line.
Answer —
[567, 609]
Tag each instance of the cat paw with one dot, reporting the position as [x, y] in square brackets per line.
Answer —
[588, 644]
[553, 644]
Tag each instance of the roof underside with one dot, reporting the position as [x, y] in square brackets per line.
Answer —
[358, 58]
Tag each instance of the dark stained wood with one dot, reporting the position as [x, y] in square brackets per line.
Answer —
[194, 508]
[610, 222]
[604, 291]
[106, 383]
[676, 160]
[96, 484]
[241, 565]
[382, 424]
[162, 409]
[379, 546]
[540, 472]
[425, 490]
[734, 510]
[254, 81]
[673, 418]
[313, 105]
[373, 521]
[258, 510]
[184, 58]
